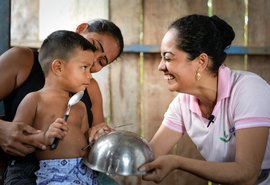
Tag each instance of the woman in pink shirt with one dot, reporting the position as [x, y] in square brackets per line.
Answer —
[225, 112]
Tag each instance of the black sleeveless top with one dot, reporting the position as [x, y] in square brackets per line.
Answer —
[34, 82]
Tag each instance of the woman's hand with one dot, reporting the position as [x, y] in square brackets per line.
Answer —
[16, 138]
[158, 169]
[98, 130]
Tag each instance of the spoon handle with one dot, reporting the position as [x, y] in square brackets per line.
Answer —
[56, 140]
[66, 117]
[54, 144]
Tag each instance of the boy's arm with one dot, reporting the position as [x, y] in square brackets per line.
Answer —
[26, 113]
[27, 109]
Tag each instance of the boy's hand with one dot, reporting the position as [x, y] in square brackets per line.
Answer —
[58, 129]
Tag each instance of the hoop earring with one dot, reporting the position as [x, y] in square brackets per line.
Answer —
[198, 76]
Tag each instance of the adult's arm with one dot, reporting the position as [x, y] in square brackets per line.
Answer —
[97, 102]
[99, 126]
[15, 66]
[164, 140]
[250, 148]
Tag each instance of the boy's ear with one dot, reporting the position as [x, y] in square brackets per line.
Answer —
[57, 66]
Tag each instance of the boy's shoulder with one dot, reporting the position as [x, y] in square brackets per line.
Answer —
[34, 96]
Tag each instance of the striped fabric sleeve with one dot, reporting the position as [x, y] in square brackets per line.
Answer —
[252, 122]
[172, 118]
[174, 126]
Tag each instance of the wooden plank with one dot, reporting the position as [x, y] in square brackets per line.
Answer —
[157, 17]
[233, 12]
[125, 73]
[163, 13]
[258, 28]
[232, 50]
[24, 21]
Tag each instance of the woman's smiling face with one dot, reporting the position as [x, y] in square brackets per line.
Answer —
[178, 70]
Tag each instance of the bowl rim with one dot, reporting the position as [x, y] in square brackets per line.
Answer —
[138, 173]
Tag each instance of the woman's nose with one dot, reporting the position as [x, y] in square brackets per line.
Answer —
[161, 66]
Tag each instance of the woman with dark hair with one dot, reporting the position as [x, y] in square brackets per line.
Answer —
[225, 112]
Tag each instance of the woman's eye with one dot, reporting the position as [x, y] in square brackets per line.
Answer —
[167, 59]
[102, 62]
[84, 67]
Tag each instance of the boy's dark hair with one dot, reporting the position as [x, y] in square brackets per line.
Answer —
[60, 45]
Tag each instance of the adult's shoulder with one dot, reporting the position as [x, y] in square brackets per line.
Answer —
[18, 56]
[93, 83]
[16, 64]
[250, 93]
[93, 88]
[246, 80]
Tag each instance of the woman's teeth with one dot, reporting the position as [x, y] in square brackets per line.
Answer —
[168, 77]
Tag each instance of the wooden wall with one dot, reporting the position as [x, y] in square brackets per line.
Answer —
[133, 89]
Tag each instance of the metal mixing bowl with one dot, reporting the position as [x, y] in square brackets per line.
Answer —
[119, 153]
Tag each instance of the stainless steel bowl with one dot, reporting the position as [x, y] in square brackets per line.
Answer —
[119, 153]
